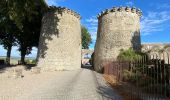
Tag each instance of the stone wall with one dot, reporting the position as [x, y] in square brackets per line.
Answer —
[155, 47]
[118, 28]
[60, 40]
[157, 50]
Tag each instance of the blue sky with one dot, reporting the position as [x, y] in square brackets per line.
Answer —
[155, 22]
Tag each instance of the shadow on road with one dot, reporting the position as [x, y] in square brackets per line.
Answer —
[90, 67]
[3, 68]
[108, 93]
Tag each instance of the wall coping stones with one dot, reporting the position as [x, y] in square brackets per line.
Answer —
[64, 9]
[120, 9]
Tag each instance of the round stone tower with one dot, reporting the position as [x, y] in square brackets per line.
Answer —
[60, 40]
[118, 28]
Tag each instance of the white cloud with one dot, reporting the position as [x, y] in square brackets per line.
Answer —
[158, 6]
[92, 27]
[130, 3]
[163, 6]
[53, 2]
[92, 20]
[154, 22]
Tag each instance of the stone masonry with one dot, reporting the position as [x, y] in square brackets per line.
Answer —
[151, 47]
[118, 28]
[60, 40]
[161, 50]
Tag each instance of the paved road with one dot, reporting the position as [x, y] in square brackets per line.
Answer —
[82, 84]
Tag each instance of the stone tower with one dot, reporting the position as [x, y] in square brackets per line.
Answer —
[118, 28]
[60, 40]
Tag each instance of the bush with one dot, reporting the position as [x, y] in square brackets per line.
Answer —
[129, 55]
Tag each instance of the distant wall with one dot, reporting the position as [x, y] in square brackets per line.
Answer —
[155, 47]
[158, 50]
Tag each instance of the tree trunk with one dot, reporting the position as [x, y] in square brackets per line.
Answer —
[23, 53]
[8, 55]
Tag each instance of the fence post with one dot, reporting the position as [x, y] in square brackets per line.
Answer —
[161, 72]
[157, 75]
[169, 72]
[168, 77]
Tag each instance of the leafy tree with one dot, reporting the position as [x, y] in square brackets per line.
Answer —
[19, 10]
[26, 15]
[86, 38]
[8, 38]
[8, 30]
[29, 36]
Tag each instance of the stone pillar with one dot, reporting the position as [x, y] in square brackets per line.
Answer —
[118, 28]
[60, 40]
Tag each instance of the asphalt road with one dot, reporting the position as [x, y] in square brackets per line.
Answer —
[83, 84]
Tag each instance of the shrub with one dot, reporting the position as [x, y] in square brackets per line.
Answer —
[129, 55]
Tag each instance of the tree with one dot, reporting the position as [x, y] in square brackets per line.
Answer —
[30, 33]
[19, 10]
[8, 31]
[29, 37]
[86, 38]
[26, 15]
[8, 37]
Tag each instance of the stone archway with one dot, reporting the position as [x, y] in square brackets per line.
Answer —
[86, 55]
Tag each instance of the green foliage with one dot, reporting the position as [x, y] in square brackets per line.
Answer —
[8, 32]
[129, 55]
[30, 33]
[20, 21]
[86, 38]
[28, 61]
[19, 10]
[8, 29]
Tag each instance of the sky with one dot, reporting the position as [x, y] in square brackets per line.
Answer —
[155, 21]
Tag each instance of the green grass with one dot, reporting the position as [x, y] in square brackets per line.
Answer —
[14, 60]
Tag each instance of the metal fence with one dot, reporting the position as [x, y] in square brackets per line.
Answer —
[148, 76]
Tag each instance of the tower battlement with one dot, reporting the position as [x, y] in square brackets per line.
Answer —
[121, 9]
[64, 10]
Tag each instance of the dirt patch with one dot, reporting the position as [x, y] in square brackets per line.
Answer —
[12, 88]
[121, 88]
